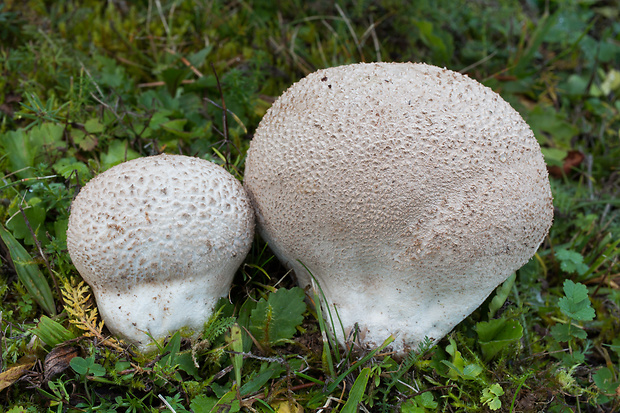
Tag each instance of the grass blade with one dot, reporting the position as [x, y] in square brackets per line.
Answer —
[357, 391]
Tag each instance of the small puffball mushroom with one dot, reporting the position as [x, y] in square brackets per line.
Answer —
[409, 191]
[159, 239]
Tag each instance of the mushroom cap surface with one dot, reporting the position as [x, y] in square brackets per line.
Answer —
[159, 240]
[409, 191]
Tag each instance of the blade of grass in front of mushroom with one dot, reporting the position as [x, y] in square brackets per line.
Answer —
[329, 342]
[325, 337]
[28, 273]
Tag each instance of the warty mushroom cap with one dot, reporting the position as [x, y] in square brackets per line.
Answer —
[409, 191]
[159, 240]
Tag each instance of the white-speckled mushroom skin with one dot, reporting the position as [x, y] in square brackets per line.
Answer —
[159, 240]
[408, 190]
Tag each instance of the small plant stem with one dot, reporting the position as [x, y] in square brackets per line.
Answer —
[521, 383]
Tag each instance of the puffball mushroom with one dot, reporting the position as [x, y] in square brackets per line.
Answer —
[159, 239]
[409, 191]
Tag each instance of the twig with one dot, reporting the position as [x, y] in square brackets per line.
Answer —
[186, 63]
[92, 80]
[224, 114]
[166, 403]
[162, 83]
[162, 18]
[478, 63]
[375, 39]
[253, 356]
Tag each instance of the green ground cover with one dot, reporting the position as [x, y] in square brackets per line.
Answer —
[85, 85]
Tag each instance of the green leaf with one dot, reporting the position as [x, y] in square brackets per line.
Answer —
[524, 64]
[35, 215]
[257, 382]
[227, 403]
[118, 152]
[554, 156]
[496, 335]
[236, 343]
[277, 318]
[571, 261]
[171, 351]
[471, 371]
[175, 127]
[87, 366]
[410, 406]
[544, 120]
[20, 152]
[501, 294]
[86, 142]
[28, 273]
[458, 363]
[573, 359]
[604, 380]
[490, 396]
[172, 78]
[48, 137]
[576, 304]
[68, 166]
[94, 126]
[357, 391]
[440, 45]
[203, 404]
[52, 332]
[243, 318]
[427, 400]
[185, 362]
[561, 332]
[458, 367]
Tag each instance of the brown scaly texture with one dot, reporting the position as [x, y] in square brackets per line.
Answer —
[159, 240]
[409, 191]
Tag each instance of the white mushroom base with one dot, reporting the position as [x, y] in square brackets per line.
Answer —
[145, 312]
[410, 313]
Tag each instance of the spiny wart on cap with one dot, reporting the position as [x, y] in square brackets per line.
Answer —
[159, 240]
[409, 191]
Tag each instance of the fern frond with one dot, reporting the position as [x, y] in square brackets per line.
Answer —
[217, 326]
[82, 314]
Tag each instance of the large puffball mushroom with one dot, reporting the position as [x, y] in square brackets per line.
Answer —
[409, 192]
[159, 240]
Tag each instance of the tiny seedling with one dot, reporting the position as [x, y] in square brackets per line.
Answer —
[87, 366]
[490, 396]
